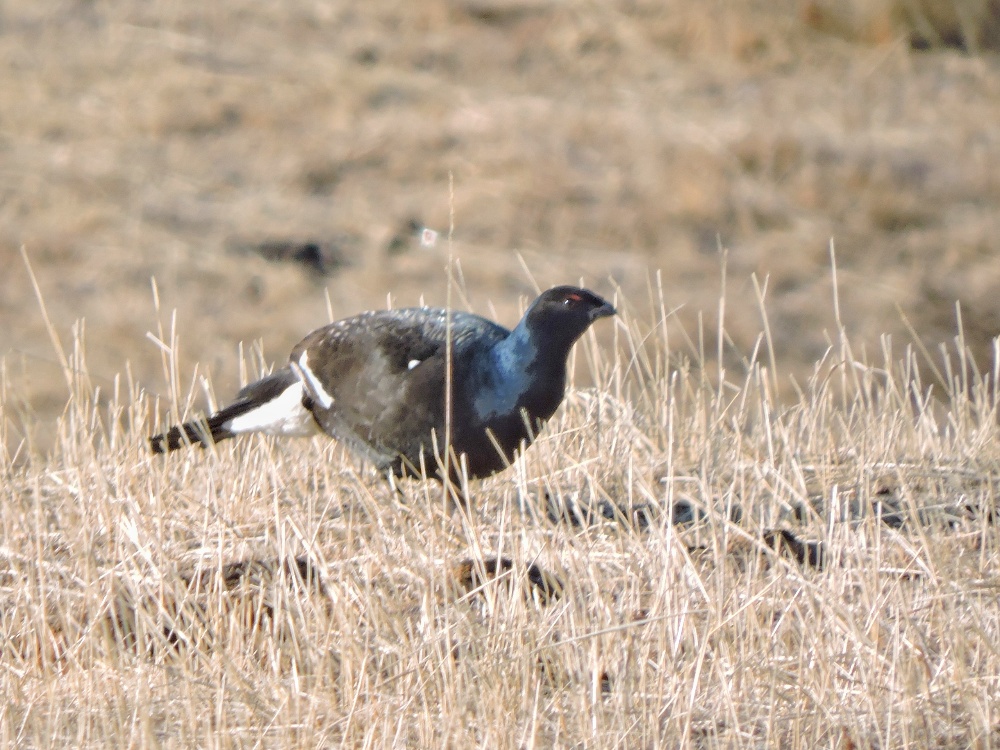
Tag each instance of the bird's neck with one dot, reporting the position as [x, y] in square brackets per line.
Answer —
[514, 354]
[525, 374]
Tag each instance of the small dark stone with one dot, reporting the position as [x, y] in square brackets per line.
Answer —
[683, 512]
[317, 256]
[804, 553]
[367, 56]
[467, 574]
[405, 237]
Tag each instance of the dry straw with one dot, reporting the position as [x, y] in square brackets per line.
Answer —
[651, 593]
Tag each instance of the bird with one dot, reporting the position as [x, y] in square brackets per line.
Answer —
[378, 383]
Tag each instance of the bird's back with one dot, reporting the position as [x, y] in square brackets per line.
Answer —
[378, 379]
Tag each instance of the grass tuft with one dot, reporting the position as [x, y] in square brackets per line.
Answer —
[680, 560]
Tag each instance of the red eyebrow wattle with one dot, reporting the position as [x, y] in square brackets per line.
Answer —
[574, 297]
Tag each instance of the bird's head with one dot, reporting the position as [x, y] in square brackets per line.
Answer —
[563, 313]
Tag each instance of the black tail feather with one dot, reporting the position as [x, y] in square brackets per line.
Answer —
[212, 430]
[198, 432]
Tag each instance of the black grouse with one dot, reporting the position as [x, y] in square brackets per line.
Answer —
[377, 382]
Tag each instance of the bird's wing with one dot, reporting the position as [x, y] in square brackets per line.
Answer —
[377, 380]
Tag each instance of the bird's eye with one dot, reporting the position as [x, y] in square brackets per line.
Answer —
[571, 299]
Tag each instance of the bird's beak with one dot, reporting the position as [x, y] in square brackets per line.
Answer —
[604, 311]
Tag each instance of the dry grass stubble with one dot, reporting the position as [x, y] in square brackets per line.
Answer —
[274, 592]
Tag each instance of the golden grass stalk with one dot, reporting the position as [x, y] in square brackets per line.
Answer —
[276, 593]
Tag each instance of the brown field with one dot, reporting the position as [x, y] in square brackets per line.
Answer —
[266, 163]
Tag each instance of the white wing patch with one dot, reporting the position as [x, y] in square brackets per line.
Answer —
[413, 363]
[283, 415]
[312, 382]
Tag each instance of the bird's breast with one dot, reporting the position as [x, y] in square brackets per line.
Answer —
[496, 397]
[501, 396]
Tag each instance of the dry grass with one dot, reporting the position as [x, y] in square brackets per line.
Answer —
[752, 524]
[272, 593]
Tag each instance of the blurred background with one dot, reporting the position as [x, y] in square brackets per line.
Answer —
[256, 157]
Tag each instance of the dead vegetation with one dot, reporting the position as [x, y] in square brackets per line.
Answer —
[968, 24]
[818, 572]
[765, 515]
